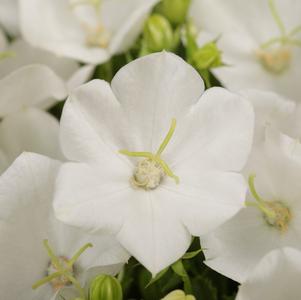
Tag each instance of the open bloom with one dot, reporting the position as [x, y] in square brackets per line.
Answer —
[88, 30]
[154, 160]
[277, 277]
[260, 41]
[272, 217]
[32, 80]
[39, 254]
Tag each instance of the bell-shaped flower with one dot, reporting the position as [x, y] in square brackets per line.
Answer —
[155, 158]
[90, 31]
[39, 254]
[277, 277]
[272, 216]
[260, 41]
[32, 80]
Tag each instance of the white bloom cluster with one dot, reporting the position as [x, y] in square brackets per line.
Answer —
[141, 165]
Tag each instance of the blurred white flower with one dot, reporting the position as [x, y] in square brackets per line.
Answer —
[276, 277]
[260, 41]
[32, 80]
[9, 16]
[27, 222]
[272, 217]
[90, 31]
[153, 201]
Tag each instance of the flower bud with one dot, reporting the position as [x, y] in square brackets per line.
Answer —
[178, 295]
[105, 287]
[158, 34]
[174, 10]
[207, 57]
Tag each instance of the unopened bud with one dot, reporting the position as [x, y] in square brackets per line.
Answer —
[158, 34]
[105, 287]
[178, 295]
[206, 57]
[174, 10]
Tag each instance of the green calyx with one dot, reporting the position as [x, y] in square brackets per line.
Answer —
[207, 57]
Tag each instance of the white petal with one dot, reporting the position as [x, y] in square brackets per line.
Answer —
[93, 127]
[153, 233]
[275, 277]
[243, 69]
[131, 16]
[270, 109]
[26, 190]
[222, 137]
[237, 246]
[9, 16]
[24, 54]
[3, 41]
[29, 86]
[81, 76]
[203, 201]
[30, 130]
[94, 198]
[152, 90]
[58, 30]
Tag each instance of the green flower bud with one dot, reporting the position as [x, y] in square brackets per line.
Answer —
[158, 34]
[174, 10]
[178, 295]
[105, 287]
[206, 57]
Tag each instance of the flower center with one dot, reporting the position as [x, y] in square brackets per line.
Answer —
[275, 60]
[278, 58]
[275, 213]
[150, 171]
[60, 281]
[60, 272]
[96, 33]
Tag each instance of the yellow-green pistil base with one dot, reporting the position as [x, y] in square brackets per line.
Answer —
[275, 213]
[152, 169]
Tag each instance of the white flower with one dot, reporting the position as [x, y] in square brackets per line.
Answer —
[155, 203]
[272, 217]
[276, 277]
[32, 80]
[27, 220]
[87, 30]
[260, 41]
[9, 16]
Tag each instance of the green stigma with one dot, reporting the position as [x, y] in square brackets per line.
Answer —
[153, 168]
[60, 271]
[276, 214]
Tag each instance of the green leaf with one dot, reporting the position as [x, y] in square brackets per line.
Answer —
[192, 254]
[157, 277]
[204, 289]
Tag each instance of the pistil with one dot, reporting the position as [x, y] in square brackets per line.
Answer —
[61, 270]
[275, 213]
[151, 170]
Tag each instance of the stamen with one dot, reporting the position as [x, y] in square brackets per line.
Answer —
[153, 169]
[275, 213]
[64, 268]
[95, 3]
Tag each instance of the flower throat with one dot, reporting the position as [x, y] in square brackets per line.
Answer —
[152, 169]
